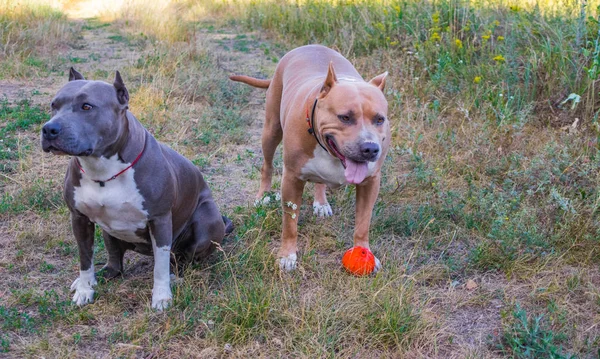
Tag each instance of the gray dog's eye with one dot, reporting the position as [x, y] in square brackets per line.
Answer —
[86, 107]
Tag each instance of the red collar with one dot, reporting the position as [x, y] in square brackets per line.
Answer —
[100, 182]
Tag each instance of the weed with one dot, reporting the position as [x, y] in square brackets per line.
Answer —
[17, 117]
[40, 195]
[531, 338]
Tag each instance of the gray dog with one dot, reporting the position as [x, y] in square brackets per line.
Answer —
[145, 196]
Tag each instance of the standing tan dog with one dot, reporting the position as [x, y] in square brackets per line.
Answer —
[335, 131]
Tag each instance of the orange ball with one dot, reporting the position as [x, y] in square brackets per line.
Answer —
[359, 261]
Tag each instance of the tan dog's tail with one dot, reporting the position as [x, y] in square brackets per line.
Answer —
[263, 84]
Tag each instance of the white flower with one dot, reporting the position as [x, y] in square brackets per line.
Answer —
[294, 207]
[277, 196]
[266, 200]
[289, 203]
[293, 215]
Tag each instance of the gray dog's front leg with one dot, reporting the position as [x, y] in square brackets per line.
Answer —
[83, 230]
[161, 233]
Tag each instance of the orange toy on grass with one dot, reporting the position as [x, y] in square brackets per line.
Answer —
[359, 261]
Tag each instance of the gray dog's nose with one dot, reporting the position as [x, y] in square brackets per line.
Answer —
[51, 130]
[369, 150]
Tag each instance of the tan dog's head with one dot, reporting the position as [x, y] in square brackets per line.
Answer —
[352, 122]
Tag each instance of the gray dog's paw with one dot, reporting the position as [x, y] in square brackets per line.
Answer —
[84, 291]
[161, 298]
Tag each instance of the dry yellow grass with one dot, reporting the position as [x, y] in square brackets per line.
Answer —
[450, 174]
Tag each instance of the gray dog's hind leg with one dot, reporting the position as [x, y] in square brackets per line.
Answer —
[208, 228]
[116, 250]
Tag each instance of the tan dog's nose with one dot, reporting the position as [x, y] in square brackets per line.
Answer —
[369, 151]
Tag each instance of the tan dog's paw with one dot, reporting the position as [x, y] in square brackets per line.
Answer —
[322, 210]
[267, 198]
[377, 265]
[288, 263]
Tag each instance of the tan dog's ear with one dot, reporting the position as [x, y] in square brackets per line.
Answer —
[330, 81]
[379, 80]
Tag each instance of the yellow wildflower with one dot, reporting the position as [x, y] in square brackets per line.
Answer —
[485, 37]
[499, 58]
[435, 37]
[477, 79]
[500, 38]
[435, 17]
[496, 23]
[458, 43]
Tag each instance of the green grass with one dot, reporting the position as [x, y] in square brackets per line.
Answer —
[532, 337]
[16, 118]
[37, 312]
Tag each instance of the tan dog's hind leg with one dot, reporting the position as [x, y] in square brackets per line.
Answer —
[271, 137]
[291, 198]
[366, 195]
[321, 207]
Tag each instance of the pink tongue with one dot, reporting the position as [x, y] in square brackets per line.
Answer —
[355, 171]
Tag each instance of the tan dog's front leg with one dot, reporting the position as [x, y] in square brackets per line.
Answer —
[366, 195]
[291, 198]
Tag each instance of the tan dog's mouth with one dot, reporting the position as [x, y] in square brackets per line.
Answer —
[355, 172]
[338, 154]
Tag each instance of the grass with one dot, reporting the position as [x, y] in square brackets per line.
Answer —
[532, 338]
[491, 179]
[29, 29]
[19, 117]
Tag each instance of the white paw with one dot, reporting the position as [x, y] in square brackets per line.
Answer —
[288, 263]
[266, 199]
[161, 298]
[84, 291]
[377, 265]
[322, 210]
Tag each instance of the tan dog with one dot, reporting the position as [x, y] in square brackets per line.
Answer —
[335, 131]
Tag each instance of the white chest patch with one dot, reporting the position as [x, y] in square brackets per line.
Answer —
[117, 207]
[324, 168]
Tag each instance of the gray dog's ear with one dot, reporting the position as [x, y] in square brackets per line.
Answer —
[74, 75]
[122, 93]
[379, 80]
[330, 81]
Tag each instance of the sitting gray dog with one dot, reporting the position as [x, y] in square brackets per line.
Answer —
[145, 196]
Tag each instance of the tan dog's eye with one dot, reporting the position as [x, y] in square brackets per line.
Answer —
[379, 120]
[86, 107]
[344, 118]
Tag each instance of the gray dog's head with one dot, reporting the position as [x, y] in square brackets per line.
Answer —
[88, 117]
